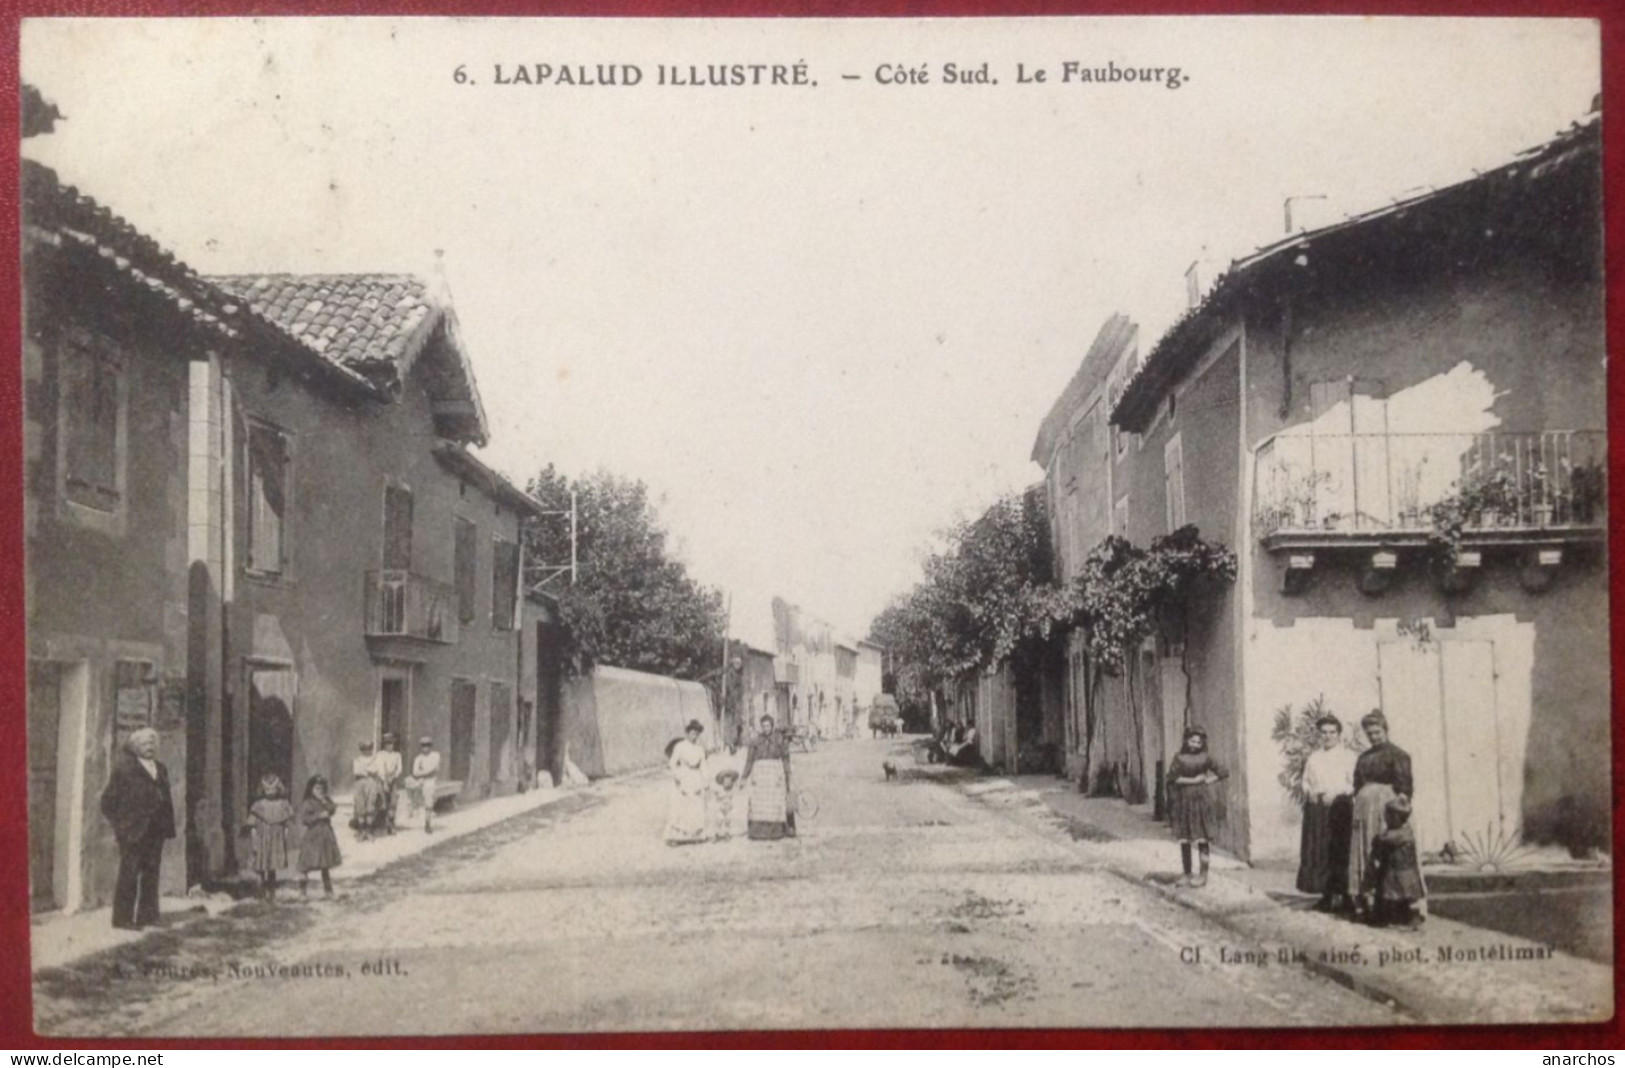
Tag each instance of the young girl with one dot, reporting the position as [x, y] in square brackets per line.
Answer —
[1193, 801]
[319, 849]
[1395, 877]
[268, 822]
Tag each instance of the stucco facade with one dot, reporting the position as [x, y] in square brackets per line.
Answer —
[1386, 367]
[367, 573]
[104, 368]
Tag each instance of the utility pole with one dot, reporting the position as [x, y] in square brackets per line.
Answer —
[546, 572]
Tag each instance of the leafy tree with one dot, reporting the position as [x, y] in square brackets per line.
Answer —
[633, 604]
[987, 595]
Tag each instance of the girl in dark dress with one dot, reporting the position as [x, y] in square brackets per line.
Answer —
[1193, 801]
[1382, 773]
[319, 849]
[1396, 875]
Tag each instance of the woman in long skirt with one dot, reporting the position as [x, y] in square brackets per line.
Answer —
[367, 794]
[1382, 773]
[1328, 812]
[685, 817]
[1193, 801]
[767, 770]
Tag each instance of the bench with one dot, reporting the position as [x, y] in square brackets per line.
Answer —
[446, 792]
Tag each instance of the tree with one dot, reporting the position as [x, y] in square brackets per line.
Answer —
[633, 605]
[987, 595]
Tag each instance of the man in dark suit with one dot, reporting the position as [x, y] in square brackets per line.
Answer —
[137, 804]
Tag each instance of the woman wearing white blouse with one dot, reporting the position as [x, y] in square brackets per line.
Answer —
[1328, 790]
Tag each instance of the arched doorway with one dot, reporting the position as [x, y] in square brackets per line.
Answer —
[270, 729]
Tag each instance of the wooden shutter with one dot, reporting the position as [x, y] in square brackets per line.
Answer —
[463, 696]
[465, 564]
[268, 485]
[397, 528]
[90, 414]
[504, 583]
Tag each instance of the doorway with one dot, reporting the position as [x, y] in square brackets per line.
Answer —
[1440, 701]
[57, 697]
[270, 727]
[395, 706]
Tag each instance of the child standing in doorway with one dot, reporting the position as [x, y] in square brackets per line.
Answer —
[268, 821]
[319, 849]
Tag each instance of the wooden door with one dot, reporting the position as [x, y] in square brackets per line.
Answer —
[550, 701]
[44, 730]
[1409, 679]
[463, 696]
[501, 719]
[1472, 742]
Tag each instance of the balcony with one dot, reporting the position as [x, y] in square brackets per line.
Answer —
[402, 604]
[1379, 490]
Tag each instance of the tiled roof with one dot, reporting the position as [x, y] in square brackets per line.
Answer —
[60, 215]
[354, 320]
[1180, 344]
[68, 216]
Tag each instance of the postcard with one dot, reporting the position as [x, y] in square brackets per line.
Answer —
[637, 525]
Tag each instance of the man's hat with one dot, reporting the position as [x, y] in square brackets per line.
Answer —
[425, 740]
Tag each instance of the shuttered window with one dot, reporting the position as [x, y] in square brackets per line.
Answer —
[397, 528]
[466, 563]
[1173, 483]
[92, 409]
[504, 582]
[268, 498]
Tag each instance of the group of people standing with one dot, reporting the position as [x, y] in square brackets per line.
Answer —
[1358, 851]
[701, 784]
[379, 780]
[139, 804]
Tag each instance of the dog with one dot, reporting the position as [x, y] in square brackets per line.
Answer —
[889, 768]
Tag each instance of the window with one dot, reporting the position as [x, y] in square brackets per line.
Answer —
[465, 565]
[91, 420]
[1173, 483]
[1120, 517]
[267, 498]
[397, 528]
[504, 582]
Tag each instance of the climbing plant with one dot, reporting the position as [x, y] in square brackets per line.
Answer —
[1298, 736]
[1123, 594]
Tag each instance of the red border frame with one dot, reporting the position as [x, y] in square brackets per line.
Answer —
[16, 1011]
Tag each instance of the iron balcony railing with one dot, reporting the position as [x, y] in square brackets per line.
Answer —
[1412, 483]
[402, 604]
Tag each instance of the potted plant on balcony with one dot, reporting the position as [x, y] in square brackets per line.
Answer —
[1536, 494]
[1587, 493]
[1478, 494]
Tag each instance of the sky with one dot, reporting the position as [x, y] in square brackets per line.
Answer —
[822, 322]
